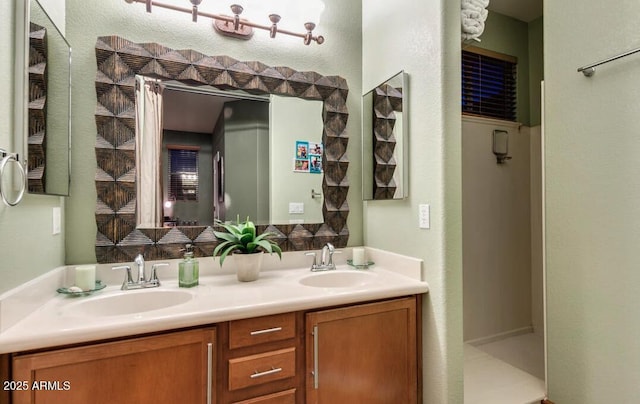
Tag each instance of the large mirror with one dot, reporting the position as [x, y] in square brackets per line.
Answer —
[122, 234]
[385, 140]
[226, 154]
[46, 135]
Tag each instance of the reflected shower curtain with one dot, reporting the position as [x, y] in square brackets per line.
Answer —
[148, 152]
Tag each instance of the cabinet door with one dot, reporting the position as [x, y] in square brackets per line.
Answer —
[363, 354]
[169, 368]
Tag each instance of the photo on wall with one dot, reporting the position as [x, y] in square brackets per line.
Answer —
[302, 150]
[308, 157]
[301, 166]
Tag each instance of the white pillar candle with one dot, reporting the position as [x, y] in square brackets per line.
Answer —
[358, 256]
[86, 277]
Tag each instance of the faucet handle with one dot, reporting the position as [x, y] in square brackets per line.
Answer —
[330, 264]
[153, 280]
[128, 280]
[315, 259]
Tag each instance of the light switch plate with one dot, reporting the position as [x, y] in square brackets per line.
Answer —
[296, 207]
[424, 221]
[57, 221]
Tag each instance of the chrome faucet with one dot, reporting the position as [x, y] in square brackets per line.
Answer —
[328, 249]
[326, 258]
[139, 261]
[141, 280]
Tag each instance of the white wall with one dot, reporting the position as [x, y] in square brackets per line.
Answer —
[290, 120]
[423, 39]
[496, 214]
[537, 267]
[592, 202]
[56, 11]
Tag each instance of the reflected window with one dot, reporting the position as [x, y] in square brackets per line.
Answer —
[183, 174]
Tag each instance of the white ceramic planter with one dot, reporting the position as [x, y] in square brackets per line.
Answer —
[248, 266]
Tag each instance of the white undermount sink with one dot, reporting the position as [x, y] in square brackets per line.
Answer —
[129, 302]
[338, 279]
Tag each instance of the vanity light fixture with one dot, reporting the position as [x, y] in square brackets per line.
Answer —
[235, 26]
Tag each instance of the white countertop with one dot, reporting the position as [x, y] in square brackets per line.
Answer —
[52, 320]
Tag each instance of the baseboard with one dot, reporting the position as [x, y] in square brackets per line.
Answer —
[502, 335]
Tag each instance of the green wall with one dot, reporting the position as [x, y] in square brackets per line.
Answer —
[517, 38]
[88, 19]
[246, 161]
[427, 47]
[592, 210]
[199, 210]
[27, 246]
[536, 70]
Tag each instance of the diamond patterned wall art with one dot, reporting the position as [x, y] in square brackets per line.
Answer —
[119, 61]
[387, 100]
[37, 139]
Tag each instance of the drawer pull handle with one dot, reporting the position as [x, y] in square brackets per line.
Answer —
[266, 372]
[266, 331]
[209, 371]
[315, 356]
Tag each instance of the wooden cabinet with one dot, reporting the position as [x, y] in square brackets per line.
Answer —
[363, 354]
[169, 368]
[282, 397]
[261, 360]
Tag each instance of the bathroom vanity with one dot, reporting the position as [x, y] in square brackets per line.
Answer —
[356, 353]
[293, 336]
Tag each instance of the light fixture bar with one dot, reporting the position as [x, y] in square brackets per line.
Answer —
[232, 22]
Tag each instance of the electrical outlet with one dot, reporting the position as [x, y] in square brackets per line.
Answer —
[424, 221]
[57, 221]
[296, 207]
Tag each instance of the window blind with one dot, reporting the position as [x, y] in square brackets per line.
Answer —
[183, 175]
[489, 85]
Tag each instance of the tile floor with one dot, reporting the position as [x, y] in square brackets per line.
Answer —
[509, 371]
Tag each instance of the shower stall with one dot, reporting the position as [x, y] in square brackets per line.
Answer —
[502, 258]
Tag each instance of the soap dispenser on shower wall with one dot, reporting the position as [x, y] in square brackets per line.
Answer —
[188, 272]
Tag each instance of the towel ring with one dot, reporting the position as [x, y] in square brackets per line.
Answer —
[7, 158]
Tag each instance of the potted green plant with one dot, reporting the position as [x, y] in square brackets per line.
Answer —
[248, 247]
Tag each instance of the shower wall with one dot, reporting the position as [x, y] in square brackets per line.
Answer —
[498, 234]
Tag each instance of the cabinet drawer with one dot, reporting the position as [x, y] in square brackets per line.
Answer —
[282, 397]
[261, 368]
[259, 330]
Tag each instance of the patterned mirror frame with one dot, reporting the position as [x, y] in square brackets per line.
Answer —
[118, 62]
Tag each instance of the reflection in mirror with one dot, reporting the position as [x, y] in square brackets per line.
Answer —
[385, 140]
[48, 130]
[296, 189]
[208, 154]
[118, 238]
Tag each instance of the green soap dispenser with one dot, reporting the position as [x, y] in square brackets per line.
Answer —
[188, 272]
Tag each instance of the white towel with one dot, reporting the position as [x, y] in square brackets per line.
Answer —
[475, 3]
[473, 14]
